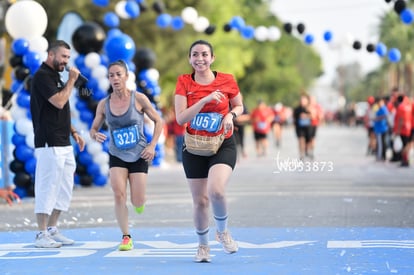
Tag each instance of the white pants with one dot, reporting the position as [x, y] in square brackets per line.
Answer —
[54, 178]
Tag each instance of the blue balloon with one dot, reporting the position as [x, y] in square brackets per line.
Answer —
[100, 180]
[31, 59]
[132, 9]
[113, 32]
[20, 46]
[24, 152]
[119, 47]
[23, 99]
[101, 3]
[381, 49]
[20, 191]
[18, 140]
[86, 116]
[111, 20]
[327, 36]
[394, 55]
[16, 86]
[93, 169]
[163, 20]
[177, 23]
[85, 158]
[30, 166]
[247, 32]
[237, 23]
[309, 39]
[407, 16]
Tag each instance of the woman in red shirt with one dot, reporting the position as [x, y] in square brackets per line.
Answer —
[208, 101]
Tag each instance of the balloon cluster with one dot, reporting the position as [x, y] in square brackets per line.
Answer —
[380, 48]
[26, 22]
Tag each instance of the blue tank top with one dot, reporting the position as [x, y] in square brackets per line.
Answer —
[127, 132]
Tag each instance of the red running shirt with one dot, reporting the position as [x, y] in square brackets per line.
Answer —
[194, 92]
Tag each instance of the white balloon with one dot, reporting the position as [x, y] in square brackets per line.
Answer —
[120, 10]
[189, 15]
[131, 85]
[24, 126]
[103, 83]
[99, 71]
[261, 33]
[201, 24]
[38, 44]
[104, 169]
[153, 74]
[30, 140]
[26, 19]
[274, 33]
[101, 158]
[94, 148]
[92, 60]
[17, 112]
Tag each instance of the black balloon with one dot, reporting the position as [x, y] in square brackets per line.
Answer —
[21, 72]
[301, 28]
[16, 166]
[356, 45]
[227, 27]
[210, 30]
[144, 58]
[16, 60]
[158, 7]
[22, 179]
[370, 48]
[88, 38]
[86, 180]
[287, 27]
[399, 6]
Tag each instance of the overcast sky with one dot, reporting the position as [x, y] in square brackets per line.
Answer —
[348, 20]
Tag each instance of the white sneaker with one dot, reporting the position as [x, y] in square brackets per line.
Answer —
[229, 245]
[58, 237]
[203, 254]
[44, 241]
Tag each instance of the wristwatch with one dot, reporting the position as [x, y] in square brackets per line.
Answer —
[233, 114]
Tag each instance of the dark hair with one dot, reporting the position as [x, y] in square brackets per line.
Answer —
[121, 63]
[56, 45]
[200, 42]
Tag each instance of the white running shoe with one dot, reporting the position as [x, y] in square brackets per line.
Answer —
[44, 241]
[229, 245]
[58, 237]
[203, 254]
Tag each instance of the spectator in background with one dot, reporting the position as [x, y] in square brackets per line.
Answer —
[302, 121]
[402, 126]
[381, 129]
[391, 106]
[316, 119]
[279, 118]
[369, 125]
[239, 124]
[261, 119]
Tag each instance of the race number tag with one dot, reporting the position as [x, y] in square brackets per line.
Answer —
[125, 138]
[209, 122]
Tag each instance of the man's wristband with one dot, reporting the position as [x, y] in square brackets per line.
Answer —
[233, 114]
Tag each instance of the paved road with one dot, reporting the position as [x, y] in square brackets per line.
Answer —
[344, 213]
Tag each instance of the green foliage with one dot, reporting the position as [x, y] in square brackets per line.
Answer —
[274, 71]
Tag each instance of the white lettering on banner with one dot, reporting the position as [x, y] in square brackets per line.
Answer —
[170, 249]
